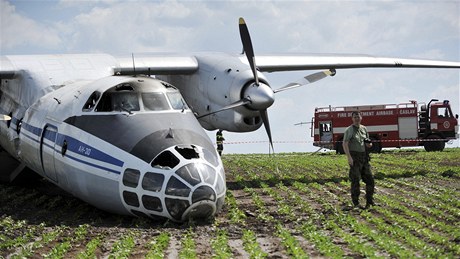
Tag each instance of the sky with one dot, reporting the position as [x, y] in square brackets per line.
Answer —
[406, 29]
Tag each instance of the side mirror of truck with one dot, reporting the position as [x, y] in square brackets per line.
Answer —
[456, 116]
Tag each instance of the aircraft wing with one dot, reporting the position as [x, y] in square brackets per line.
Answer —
[169, 64]
[274, 63]
[188, 64]
[155, 64]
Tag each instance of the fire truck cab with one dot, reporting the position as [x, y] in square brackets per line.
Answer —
[389, 125]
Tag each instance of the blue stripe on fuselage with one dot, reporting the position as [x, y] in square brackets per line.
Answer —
[84, 149]
[93, 165]
[75, 146]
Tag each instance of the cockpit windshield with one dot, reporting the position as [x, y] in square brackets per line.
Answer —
[176, 101]
[132, 98]
[125, 102]
[118, 101]
[154, 102]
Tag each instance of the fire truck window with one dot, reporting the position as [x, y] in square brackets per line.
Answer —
[325, 131]
[443, 112]
[325, 127]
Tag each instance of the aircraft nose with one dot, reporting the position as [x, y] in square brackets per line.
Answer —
[182, 183]
[202, 185]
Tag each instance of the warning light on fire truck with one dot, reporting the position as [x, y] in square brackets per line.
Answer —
[389, 125]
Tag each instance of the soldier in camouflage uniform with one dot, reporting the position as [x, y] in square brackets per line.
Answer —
[355, 141]
[220, 142]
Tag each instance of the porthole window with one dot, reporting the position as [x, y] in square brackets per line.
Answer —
[208, 174]
[131, 198]
[190, 173]
[152, 203]
[176, 207]
[131, 178]
[152, 182]
[177, 188]
[203, 193]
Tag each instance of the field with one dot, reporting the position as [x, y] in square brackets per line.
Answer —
[283, 206]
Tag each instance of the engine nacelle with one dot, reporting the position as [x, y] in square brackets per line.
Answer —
[216, 85]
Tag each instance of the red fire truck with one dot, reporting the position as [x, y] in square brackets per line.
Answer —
[389, 125]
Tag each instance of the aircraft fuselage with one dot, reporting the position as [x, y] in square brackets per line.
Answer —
[125, 144]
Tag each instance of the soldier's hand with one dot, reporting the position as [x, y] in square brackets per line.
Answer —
[350, 161]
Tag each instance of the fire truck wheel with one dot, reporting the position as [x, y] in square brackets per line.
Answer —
[432, 145]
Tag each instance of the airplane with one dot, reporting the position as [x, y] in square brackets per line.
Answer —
[126, 133]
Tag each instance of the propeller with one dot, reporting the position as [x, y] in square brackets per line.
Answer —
[4, 117]
[307, 80]
[247, 47]
[263, 93]
[259, 96]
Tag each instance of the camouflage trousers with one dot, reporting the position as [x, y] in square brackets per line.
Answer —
[361, 169]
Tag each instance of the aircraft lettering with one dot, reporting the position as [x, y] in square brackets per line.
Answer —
[84, 150]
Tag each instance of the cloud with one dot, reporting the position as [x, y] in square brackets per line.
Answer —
[20, 31]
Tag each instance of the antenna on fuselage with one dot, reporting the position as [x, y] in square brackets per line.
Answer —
[134, 64]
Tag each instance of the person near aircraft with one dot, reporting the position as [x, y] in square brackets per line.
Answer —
[168, 147]
[355, 141]
[220, 142]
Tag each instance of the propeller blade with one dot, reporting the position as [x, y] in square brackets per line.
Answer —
[241, 102]
[307, 80]
[4, 117]
[247, 47]
[264, 116]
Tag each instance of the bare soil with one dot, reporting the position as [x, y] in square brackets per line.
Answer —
[42, 208]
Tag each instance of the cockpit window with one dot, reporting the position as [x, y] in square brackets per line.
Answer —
[176, 101]
[118, 101]
[128, 97]
[91, 103]
[155, 102]
[125, 102]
